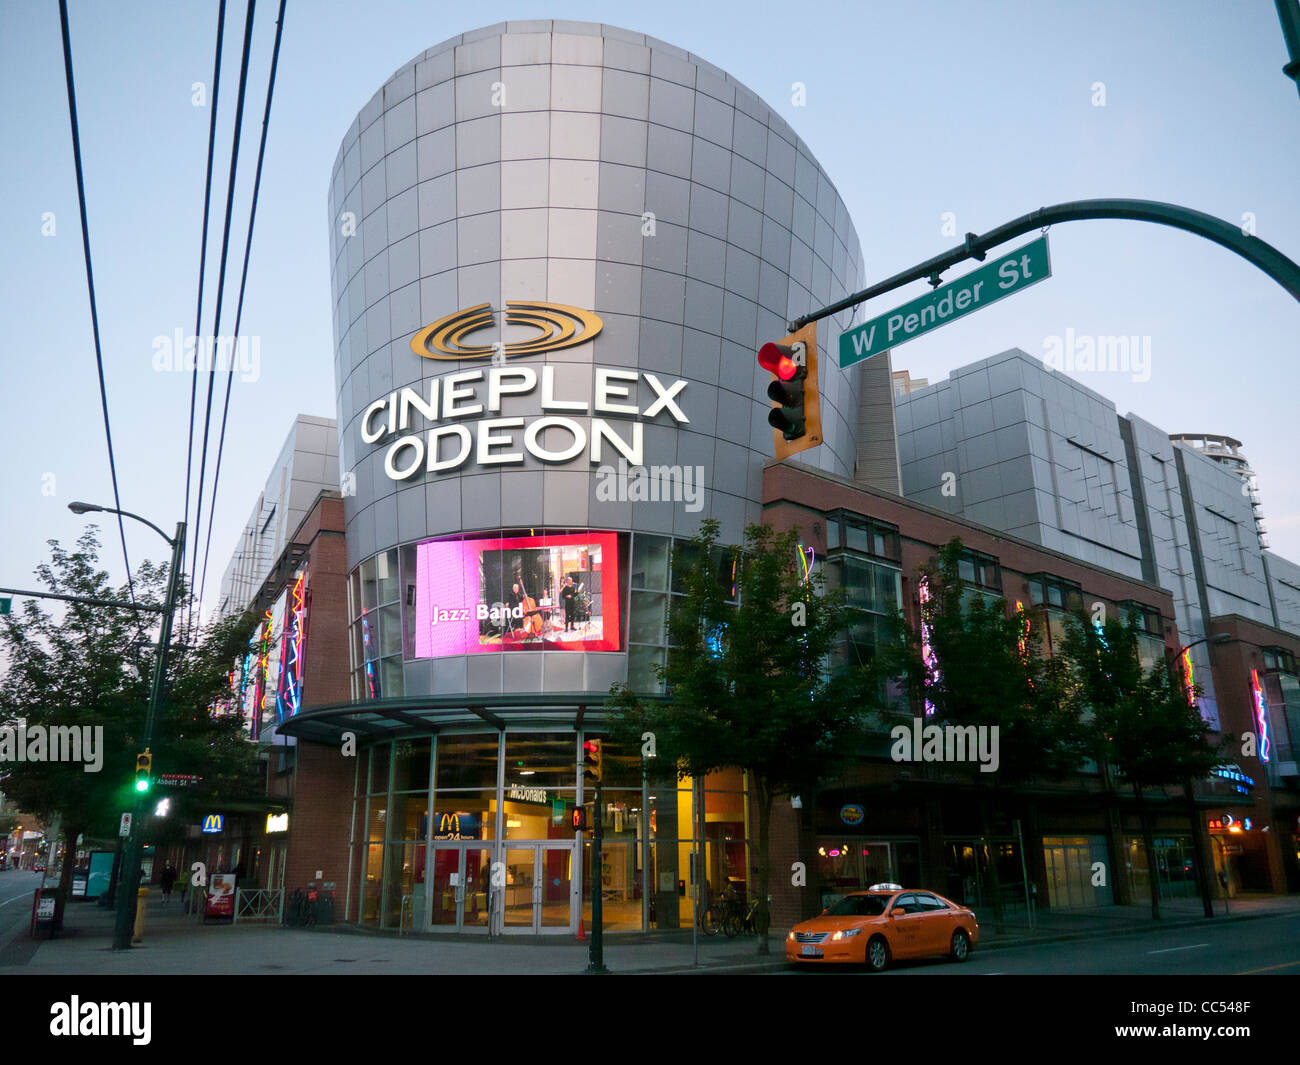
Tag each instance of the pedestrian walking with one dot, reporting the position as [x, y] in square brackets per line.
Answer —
[168, 880]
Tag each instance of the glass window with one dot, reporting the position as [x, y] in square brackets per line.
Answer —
[408, 817]
[649, 618]
[386, 576]
[408, 600]
[859, 906]
[856, 538]
[650, 562]
[391, 680]
[467, 761]
[465, 815]
[889, 591]
[390, 630]
[833, 534]
[905, 902]
[376, 819]
[369, 585]
[641, 676]
[411, 765]
[379, 757]
[541, 760]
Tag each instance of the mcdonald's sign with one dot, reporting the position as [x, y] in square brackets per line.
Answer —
[459, 825]
[212, 824]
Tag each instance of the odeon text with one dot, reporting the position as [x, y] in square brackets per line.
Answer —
[448, 444]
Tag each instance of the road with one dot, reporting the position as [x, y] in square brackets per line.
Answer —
[1268, 946]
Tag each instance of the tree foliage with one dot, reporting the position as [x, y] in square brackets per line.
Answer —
[747, 677]
[92, 666]
[987, 670]
[1140, 721]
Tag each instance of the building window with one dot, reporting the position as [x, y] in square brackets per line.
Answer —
[376, 631]
[1049, 591]
[862, 535]
[873, 594]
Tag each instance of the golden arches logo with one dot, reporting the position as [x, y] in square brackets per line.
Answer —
[559, 326]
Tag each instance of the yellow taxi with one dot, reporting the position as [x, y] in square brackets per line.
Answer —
[882, 924]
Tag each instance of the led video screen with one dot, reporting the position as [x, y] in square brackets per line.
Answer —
[522, 593]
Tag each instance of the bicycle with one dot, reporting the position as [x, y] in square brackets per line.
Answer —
[739, 919]
[713, 916]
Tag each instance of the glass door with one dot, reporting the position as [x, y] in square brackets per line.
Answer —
[520, 900]
[460, 881]
[538, 892]
[556, 910]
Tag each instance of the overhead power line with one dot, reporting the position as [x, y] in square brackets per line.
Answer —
[221, 283]
[90, 281]
[203, 245]
[243, 281]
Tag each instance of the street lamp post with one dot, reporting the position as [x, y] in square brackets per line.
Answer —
[128, 878]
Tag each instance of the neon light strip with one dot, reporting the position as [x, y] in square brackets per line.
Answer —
[372, 682]
[1189, 676]
[1261, 715]
[288, 696]
[806, 557]
[927, 652]
[1023, 642]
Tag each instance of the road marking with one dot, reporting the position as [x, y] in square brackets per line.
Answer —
[1268, 968]
[1170, 950]
[15, 898]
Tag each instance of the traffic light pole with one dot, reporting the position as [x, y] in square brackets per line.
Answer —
[129, 877]
[597, 949]
[1263, 255]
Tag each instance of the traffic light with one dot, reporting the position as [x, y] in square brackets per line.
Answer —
[143, 771]
[578, 819]
[796, 420]
[591, 761]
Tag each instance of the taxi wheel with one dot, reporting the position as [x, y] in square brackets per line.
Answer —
[877, 954]
[960, 946]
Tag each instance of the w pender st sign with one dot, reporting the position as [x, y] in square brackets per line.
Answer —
[1012, 272]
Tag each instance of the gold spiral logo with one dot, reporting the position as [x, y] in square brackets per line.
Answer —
[558, 325]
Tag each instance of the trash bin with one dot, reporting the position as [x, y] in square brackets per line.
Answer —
[325, 907]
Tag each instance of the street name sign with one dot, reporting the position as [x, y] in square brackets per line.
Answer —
[5, 605]
[991, 282]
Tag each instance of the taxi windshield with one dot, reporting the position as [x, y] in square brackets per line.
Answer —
[858, 906]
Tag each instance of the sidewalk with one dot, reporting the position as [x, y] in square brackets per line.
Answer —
[176, 943]
[1054, 926]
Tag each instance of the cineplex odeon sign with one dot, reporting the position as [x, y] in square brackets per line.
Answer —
[451, 423]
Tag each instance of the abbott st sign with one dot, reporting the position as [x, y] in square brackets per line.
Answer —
[991, 282]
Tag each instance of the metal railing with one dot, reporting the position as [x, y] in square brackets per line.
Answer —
[259, 904]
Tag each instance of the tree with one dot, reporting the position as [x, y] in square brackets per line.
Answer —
[747, 682]
[90, 670]
[1139, 721]
[969, 663]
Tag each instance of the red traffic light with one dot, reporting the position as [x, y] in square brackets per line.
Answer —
[778, 359]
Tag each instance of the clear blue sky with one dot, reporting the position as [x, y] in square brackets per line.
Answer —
[914, 110]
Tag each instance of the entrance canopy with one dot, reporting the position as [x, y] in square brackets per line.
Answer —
[379, 719]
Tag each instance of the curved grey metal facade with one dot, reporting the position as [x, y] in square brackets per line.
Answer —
[584, 165]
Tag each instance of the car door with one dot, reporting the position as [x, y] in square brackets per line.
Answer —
[936, 924]
[906, 926]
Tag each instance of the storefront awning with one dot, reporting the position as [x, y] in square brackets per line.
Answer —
[379, 719]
